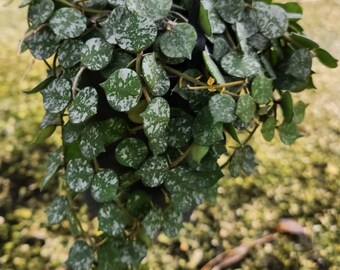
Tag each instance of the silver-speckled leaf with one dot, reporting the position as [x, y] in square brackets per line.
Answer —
[96, 53]
[179, 41]
[152, 222]
[131, 152]
[57, 211]
[230, 11]
[84, 105]
[272, 20]
[136, 33]
[172, 222]
[40, 11]
[156, 117]
[56, 95]
[155, 77]
[120, 59]
[110, 25]
[117, 2]
[241, 65]
[217, 25]
[222, 108]
[80, 256]
[111, 220]
[71, 132]
[55, 160]
[42, 44]
[123, 89]
[300, 64]
[69, 52]
[180, 131]
[154, 171]
[158, 145]
[68, 23]
[154, 9]
[245, 108]
[105, 186]
[91, 142]
[262, 89]
[79, 175]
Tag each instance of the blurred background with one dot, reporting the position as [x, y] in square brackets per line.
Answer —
[298, 182]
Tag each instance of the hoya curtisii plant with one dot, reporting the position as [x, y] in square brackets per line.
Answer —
[148, 95]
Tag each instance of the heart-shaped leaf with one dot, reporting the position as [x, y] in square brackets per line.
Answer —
[120, 59]
[262, 89]
[230, 10]
[172, 222]
[105, 186]
[78, 175]
[40, 11]
[154, 171]
[158, 145]
[57, 95]
[111, 219]
[180, 131]
[222, 108]
[96, 54]
[300, 64]
[154, 9]
[152, 222]
[42, 44]
[57, 211]
[70, 52]
[80, 256]
[131, 152]
[246, 107]
[123, 89]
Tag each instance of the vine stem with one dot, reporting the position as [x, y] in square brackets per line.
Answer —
[76, 81]
[139, 72]
[84, 9]
[181, 157]
[220, 87]
[183, 75]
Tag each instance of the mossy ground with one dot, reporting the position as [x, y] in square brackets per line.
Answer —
[300, 182]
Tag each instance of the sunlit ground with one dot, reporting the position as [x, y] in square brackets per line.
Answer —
[298, 181]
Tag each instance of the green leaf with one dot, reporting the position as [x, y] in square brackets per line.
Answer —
[117, 2]
[131, 152]
[243, 159]
[205, 132]
[240, 65]
[299, 112]
[262, 89]
[204, 20]
[172, 222]
[221, 48]
[71, 132]
[222, 108]
[57, 95]
[136, 33]
[180, 131]
[300, 64]
[113, 130]
[40, 11]
[123, 89]
[57, 211]
[80, 256]
[303, 41]
[73, 224]
[40, 86]
[91, 143]
[96, 54]
[44, 134]
[212, 68]
[120, 59]
[286, 104]
[326, 58]
[156, 117]
[230, 129]
[111, 219]
[154, 171]
[50, 119]
[154, 9]
[139, 203]
[155, 76]
[68, 23]
[268, 129]
[179, 42]
[78, 175]
[104, 186]
[55, 160]
[217, 24]
[84, 105]
[70, 52]
[230, 11]
[245, 108]
[288, 133]
[153, 222]
[134, 113]
[42, 43]
[158, 145]
[198, 152]
[272, 20]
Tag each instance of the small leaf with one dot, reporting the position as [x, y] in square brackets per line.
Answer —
[80, 256]
[96, 54]
[42, 43]
[180, 131]
[139, 203]
[70, 52]
[303, 41]
[300, 64]
[198, 152]
[272, 20]
[154, 9]
[123, 89]
[299, 112]
[204, 20]
[131, 152]
[245, 108]
[158, 145]
[230, 10]
[230, 129]
[288, 133]
[68, 23]
[212, 68]
[73, 224]
[242, 159]
[262, 89]
[326, 58]
[152, 223]
[71, 132]
[268, 129]
[154, 171]
[39, 12]
[222, 108]
[57, 211]
[172, 222]
[155, 76]
[134, 113]
[44, 134]
[120, 59]
[56, 95]
[55, 160]
[40, 86]
[179, 42]
[50, 119]
[78, 175]
[287, 107]
[156, 117]
[109, 27]
[91, 143]
[111, 220]
[217, 25]
[105, 186]
[84, 105]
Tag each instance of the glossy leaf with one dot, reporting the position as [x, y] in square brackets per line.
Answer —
[91, 143]
[57, 211]
[198, 152]
[268, 129]
[79, 175]
[222, 108]
[262, 89]
[217, 24]
[70, 52]
[40, 11]
[154, 171]
[104, 186]
[131, 152]
[96, 54]
[111, 219]
[80, 256]
[154, 9]
[56, 95]
[42, 44]
[246, 107]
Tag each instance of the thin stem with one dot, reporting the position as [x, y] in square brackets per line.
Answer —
[179, 15]
[139, 63]
[47, 64]
[31, 32]
[183, 75]
[54, 64]
[76, 81]
[135, 129]
[84, 9]
[146, 94]
[230, 40]
[181, 157]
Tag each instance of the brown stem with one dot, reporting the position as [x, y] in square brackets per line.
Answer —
[181, 157]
